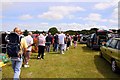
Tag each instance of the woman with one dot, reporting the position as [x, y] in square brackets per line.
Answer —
[41, 46]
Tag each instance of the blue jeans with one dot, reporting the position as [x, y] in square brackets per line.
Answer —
[55, 47]
[16, 65]
[48, 46]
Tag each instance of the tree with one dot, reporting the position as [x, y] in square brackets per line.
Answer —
[36, 32]
[25, 33]
[85, 32]
[93, 30]
[71, 32]
[114, 30]
[53, 30]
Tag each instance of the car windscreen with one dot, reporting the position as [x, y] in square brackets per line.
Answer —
[113, 43]
[118, 45]
[108, 42]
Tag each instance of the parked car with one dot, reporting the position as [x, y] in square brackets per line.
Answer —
[88, 41]
[111, 52]
[95, 40]
[83, 39]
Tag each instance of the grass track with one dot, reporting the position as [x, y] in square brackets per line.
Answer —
[81, 62]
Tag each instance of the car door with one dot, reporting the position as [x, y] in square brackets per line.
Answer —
[104, 49]
[111, 51]
[118, 52]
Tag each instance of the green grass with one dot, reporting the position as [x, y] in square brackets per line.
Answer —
[81, 62]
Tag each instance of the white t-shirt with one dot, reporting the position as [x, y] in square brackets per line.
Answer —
[61, 38]
[29, 41]
[41, 40]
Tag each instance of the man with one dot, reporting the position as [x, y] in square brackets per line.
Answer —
[56, 43]
[29, 41]
[17, 61]
[61, 38]
[48, 41]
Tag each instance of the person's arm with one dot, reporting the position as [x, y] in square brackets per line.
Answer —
[24, 43]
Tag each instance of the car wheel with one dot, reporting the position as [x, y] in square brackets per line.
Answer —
[114, 66]
[101, 55]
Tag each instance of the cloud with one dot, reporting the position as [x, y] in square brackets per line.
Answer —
[78, 26]
[95, 17]
[106, 5]
[61, 26]
[1, 17]
[115, 13]
[102, 6]
[55, 0]
[26, 26]
[113, 21]
[25, 17]
[114, 18]
[69, 26]
[5, 5]
[59, 12]
[51, 16]
[71, 16]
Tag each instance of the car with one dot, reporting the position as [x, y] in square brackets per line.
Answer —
[83, 39]
[95, 40]
[88, 41]
[111, 52]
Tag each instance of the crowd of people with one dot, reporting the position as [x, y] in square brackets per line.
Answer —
[60, 43]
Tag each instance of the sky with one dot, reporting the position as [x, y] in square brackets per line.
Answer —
[64, 15]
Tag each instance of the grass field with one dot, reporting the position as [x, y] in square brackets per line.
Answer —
[81, 62]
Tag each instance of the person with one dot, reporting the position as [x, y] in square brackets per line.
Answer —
[61, 38]
[48, 42]
[41, 46]
[35, 41]
[65, 42]
[68, 39]
[29, 41]
[75, 38]
[56, 43]
[17, 61]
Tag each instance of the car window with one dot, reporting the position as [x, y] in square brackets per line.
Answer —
[113, 43]
[118, 45]
[92, 35]
[108, 42]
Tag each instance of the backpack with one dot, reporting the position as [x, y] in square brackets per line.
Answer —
[13, 46]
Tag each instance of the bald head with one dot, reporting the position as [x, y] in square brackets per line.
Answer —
[17, 30]
[30, 33]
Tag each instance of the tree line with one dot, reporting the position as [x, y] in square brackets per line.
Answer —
[54, 30]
